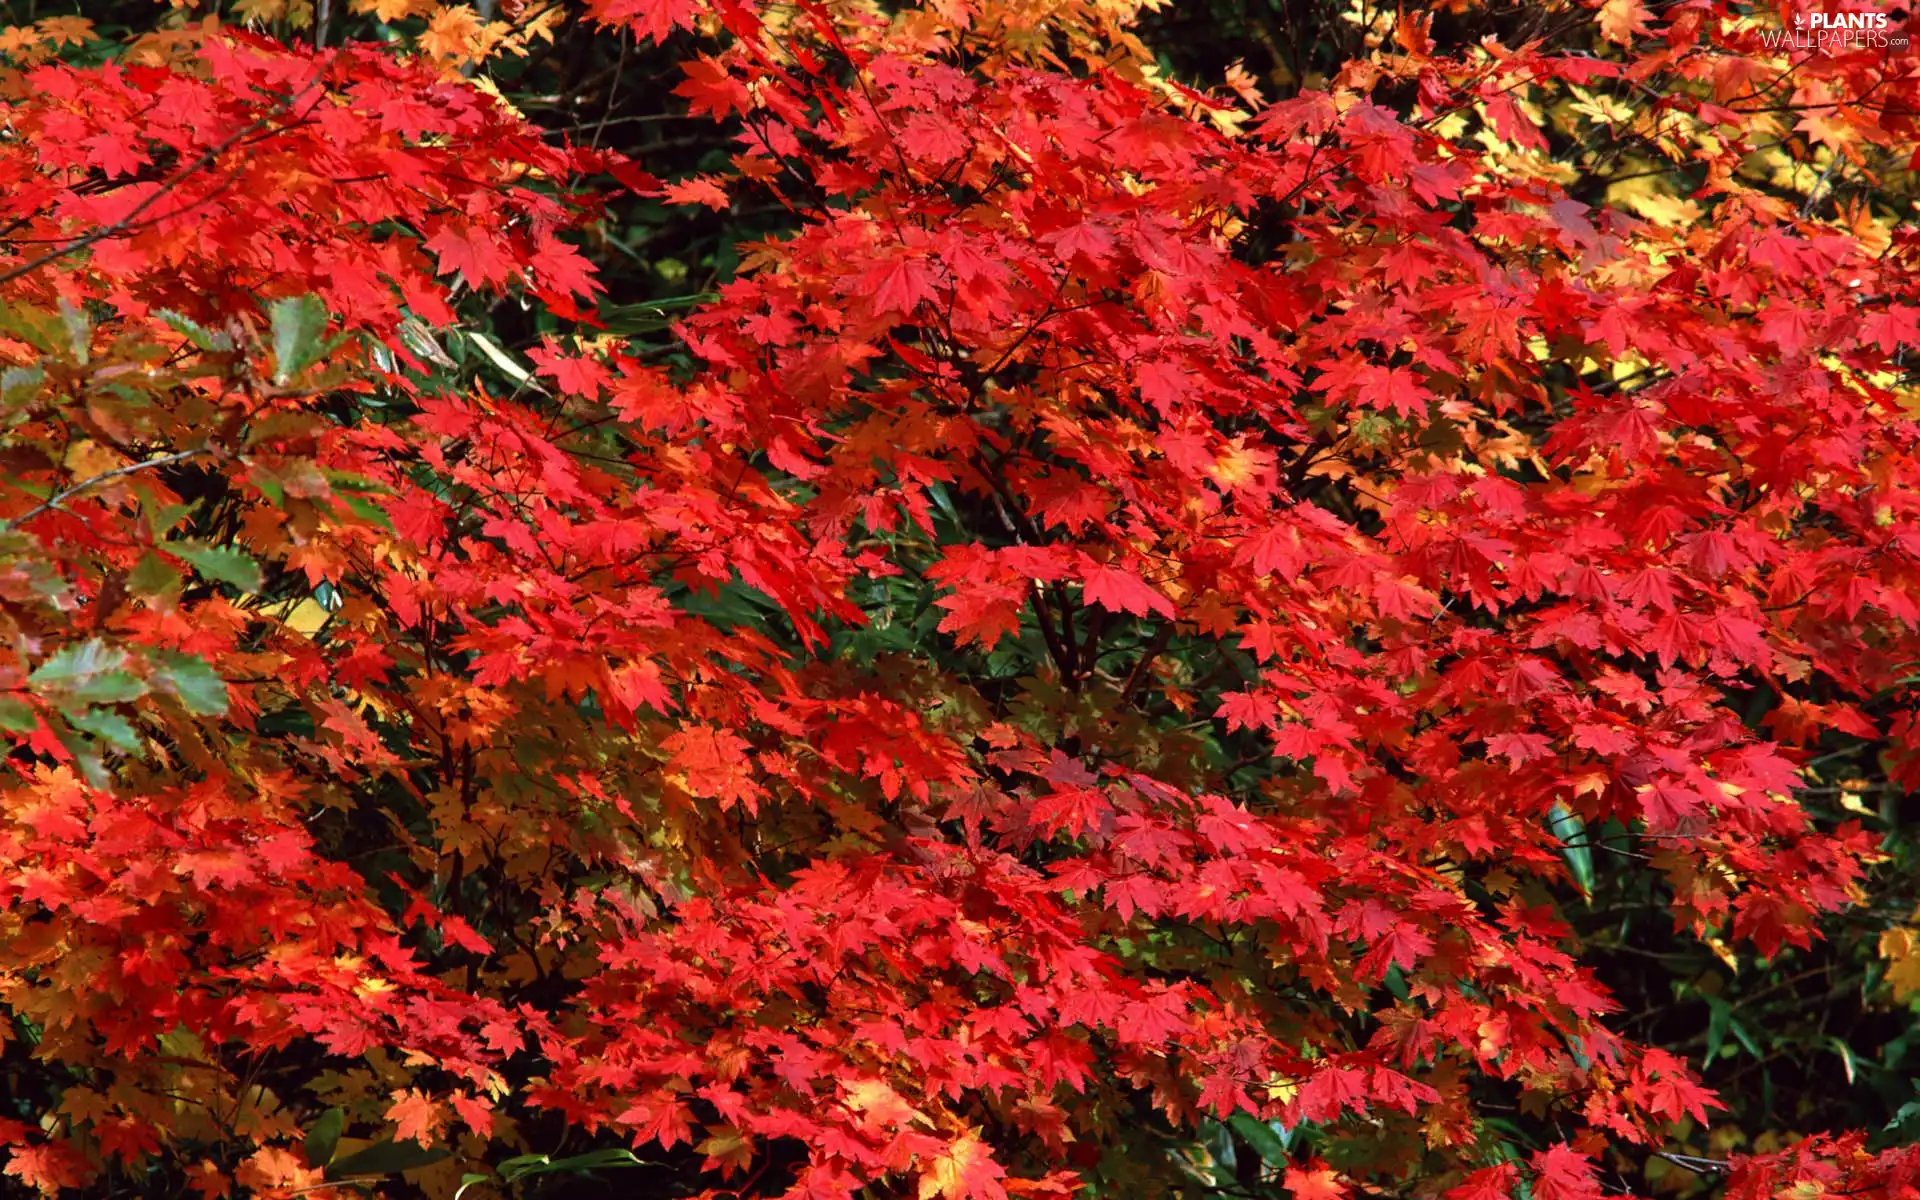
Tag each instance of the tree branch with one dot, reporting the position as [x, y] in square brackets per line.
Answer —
[165, 460]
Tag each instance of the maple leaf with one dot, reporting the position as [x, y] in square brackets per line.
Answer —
[699, 189]
[656, 19]
[1120, 590]
[390, 11]
[1670, 806]
[963, 1170]
[900, 286]
[1315, 1181]
[275, 1167]
[475, 1112]
[1402, 946]
[1562, 1173]
[453, 33]
[50, 1167]
[983, 615]
[1664, 1086]
[415, 1117]
[711, 89]
[206, 1178]
[638, 684]
[727, 1150]
[115, 154]
[714, 763]
[880, 1104]
[1084, 240]
[1901, 947]
[1445, 467]
[1395, 389]
[476, 255]
[1247, 710]
[560, 268]
[576, 374]
[1488, 1183]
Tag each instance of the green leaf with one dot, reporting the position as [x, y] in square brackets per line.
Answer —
[324, 1136]
[526, 1165]
[20, 383]
[16, 715]
[1263, 1137]
[385, 1158]
[93, 766]
[153, 577]
[367, 510]
[89, 673]
[346, 481]
[198, 334]
[79, 330]
[467, 1181]
[165, 517]
[222, 564]
[30, 326]
[1846, 1056]
[944, 504]
[109, 727]
[618, 312]
[500, 358]
[1718, 1015]
[197, 684]
[298, 322]
[1570, 829]
[182, 1043]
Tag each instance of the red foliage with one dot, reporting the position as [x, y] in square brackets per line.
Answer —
[828, 919]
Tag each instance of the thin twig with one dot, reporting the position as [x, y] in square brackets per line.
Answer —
[165, 460]
[613, 91]
[1138, 676]
[1699, 1166]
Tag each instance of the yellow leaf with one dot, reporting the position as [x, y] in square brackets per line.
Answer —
[87, 459]
[306, 617]
[1600, 108]
[389, 11]
[881, 1104]
[1724, 953]
[1664, 209]
[1622, 20]
[966, 1169]
[492, 89]
[260, 11]
[1903, 952]
[1281, 1089]
[72, 31]
[454, 33]
[728, 1146]
[1237, 464]
[19, 40]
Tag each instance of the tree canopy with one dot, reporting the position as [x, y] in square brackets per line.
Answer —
[972, 599]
